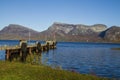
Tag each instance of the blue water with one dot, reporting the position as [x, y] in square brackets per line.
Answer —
[86, 58]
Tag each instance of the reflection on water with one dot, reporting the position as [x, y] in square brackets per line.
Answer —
[95, 59]
[49, 58]
[37, 59]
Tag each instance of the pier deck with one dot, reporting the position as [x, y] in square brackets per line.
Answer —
[17, 50]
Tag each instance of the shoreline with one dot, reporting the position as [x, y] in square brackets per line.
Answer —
[69, 41]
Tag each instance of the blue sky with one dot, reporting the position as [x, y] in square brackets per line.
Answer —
[40, 14]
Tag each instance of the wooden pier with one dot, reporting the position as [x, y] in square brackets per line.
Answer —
[23, 49]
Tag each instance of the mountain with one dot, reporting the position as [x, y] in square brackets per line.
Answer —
[112, 34]
[78, 32]
[76, 29]
[64, 32]
[14, 31]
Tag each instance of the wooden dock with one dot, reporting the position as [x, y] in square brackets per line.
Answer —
[22, 52]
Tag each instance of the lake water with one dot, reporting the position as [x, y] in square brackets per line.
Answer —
[86, 58]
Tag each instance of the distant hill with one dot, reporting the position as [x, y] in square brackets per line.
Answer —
[64, 32]
[112, 34]
[14, 31]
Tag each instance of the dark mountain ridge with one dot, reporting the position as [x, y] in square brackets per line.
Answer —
[111, 34]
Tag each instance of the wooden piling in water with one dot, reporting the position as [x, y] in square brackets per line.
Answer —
[10, 51]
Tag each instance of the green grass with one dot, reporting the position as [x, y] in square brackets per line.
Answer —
[27, 71]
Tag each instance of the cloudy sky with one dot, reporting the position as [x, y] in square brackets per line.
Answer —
[40, 14]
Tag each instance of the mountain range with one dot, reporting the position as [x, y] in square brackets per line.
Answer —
[63, 32]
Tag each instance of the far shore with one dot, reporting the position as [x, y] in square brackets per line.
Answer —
[65, 41]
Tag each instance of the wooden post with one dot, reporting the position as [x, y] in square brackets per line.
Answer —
[30, 50]
[7, 54]
[20, 53]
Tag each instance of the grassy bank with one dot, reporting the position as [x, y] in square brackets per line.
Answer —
[27, 71]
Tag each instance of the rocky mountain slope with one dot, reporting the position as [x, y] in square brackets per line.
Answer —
[64, 32]
[78, 32]
[112, 34]
[76, 29]
[79, 29]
